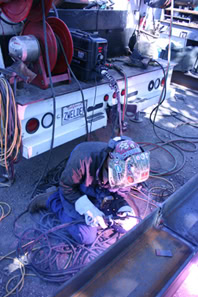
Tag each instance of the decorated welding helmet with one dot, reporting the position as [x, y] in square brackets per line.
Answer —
[128, 164]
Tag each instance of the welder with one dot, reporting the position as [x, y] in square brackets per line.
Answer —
[95, 184]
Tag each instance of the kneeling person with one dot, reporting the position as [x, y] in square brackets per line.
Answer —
[92, 186]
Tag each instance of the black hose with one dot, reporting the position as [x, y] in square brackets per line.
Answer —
[79, 85]
[53, 95]
[9, 23]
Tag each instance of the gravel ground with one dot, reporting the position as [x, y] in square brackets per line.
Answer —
[178, 114]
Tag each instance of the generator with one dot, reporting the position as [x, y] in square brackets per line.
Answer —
[89, 54]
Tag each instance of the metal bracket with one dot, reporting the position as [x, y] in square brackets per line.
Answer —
[137, 118]
[159, 219]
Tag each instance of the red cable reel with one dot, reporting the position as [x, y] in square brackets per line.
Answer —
[18, 10]
[56, 30]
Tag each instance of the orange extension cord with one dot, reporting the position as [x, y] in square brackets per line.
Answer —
[10, 138]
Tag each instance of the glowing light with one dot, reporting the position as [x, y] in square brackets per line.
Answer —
[129, 223]
[190, 283]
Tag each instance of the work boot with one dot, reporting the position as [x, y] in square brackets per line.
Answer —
[40, 201]
[6, 177]
[5, 182]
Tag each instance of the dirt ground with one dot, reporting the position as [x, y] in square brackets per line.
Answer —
[172, 165]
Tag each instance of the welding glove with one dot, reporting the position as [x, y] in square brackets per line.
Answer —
[93, 216]
[127, 219]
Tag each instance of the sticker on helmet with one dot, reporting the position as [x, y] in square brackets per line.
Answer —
[118, 168]
[127, 172]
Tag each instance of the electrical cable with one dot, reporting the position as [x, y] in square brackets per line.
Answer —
[50, 242]
[18, 287]
[172, 143]
[44, 271]
[163, 93]
[147, 206]
[45, 254]
[157, 108]
[173, 114]
[49, 245]
[160, 146]
[114, 85]
[79, 85]
[21, 281]
[10, 129]
[54, 111]
[44, 183]
[94, 103]
[53, 96]
[4, 214]
[9, 23]
[160, 101]
[165, 74]
[121, 71]
[145, 199]
[55, 10]
[34, 249]
[171, 190]
[125, 97]
[179, 117]
[52, 177]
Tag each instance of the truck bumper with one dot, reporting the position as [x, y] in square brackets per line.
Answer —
[39, 144]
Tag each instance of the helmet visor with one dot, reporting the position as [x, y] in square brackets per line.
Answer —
[124, 173]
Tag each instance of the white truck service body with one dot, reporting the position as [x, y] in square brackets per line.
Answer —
[36, 106]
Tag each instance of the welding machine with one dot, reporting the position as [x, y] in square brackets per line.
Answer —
[90, 53]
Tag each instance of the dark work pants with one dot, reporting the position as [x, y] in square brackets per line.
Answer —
[66, 213]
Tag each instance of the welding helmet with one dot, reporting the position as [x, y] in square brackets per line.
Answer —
[128, 164]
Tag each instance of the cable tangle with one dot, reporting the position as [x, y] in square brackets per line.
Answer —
[10, 128]
[47, 251]
[53, 255]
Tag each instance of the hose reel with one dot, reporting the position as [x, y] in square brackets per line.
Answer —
[18, 10]
[30, 48]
